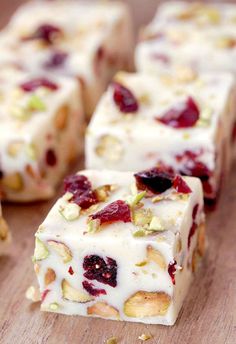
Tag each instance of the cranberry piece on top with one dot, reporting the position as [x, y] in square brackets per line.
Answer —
[185, 115]
[81, 188]
[46, 32]
[155, 180]
[56, 60]
[34, 84]
[113, 212]
[124, 98]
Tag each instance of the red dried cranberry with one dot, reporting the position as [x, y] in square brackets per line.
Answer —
[45, 32]
[44, 294]
[113, 212]
[155, 180]
[50, 157]
[71, 271]
[100, 270]
[32, 85]
[172, 270]
[181, 186]
[89, 287]
[124, 98]
[81, 188]
[183, 116]
[195, 210]
[56, 60]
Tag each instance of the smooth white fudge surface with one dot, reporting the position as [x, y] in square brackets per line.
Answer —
[143, 261]
[5, 235]
[96, 40]
[40, 134]
[201, 36]
[135, 141]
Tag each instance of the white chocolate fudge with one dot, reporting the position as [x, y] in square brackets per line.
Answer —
[5, 236]
[40, 133]
[200, 36]
[121, 246]
[181, 123]
[89, 41]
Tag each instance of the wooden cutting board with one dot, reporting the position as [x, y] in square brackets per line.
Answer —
[208, 315]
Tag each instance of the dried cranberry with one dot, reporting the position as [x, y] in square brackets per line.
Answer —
[113, 212]
[181, 186]
[124, 98]
[89, 287]
[32, 85]
[50, 158]
[45, 32]
[194, 225]
[56, 60]
[100, 270]
[183, 116]
[44, 294]
[71, 271]
[81, 188]
[172, 270]
[155, 180]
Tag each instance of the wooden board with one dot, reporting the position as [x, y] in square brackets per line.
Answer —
[208, 315]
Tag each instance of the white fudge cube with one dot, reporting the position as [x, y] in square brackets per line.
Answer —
[201, 36]
[89, 41]
[181, 123]
[40, 134]
[121, 247]
[5, 236]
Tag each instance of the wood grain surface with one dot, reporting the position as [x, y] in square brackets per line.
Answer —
[208, 315]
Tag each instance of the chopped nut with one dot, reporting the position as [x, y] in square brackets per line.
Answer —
[147, 304]
[144, 337]
[72, 294]
[40, 252]
[33, 294]
[110, 148]
[62, 250]
[93, 226]
[14, 148]
[156, 224]
[143, 263]
[49, 277]
[53, 306]
[201, 240]
[103, 192]
[135, 199]
[31, 151]
[35, 103]
[13, 181]
[103, 309]
[155, 256]
[70, 211]
[185, 74]
[61, 117]
[3, 229]
[142, 217]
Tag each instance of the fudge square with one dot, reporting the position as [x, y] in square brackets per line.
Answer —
[5, 236]
[40, 133]
[183, 122]
[201, 36]
[121, 246]
[89, 41]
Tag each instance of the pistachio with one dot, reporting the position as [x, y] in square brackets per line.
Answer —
[156, 256]
[156, 224]
[93, 226]
[14, 148]
[142, 217]
[63, 250]
[103, 309]
[49, 277]
[135, 199]
[40, 252]
[144, 337]
[35, 103]
[54, 306]
[33, 294]
[70, 211]
[71, 294]
[110, 148]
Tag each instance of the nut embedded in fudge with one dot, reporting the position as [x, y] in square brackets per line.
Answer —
[40, 134]
[80, 40]
[5, 236]
[184, 34]
[180, 124]
[121, 246]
